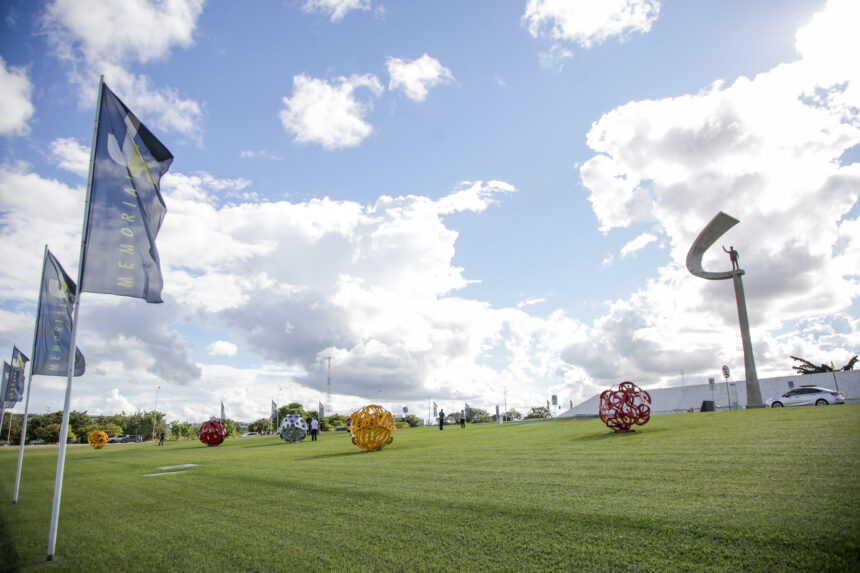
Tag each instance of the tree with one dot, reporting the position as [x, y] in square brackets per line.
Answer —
[110, 429]
[181, 430]
[511, 414]
[537, 412]
[262, 425]
[478, 416]
[413, 421]
[807, 367]
[231, 427]
[335, 420]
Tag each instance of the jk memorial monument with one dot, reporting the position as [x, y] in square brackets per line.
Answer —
[713, 231]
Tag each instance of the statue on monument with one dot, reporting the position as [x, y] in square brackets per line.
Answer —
[733, 255]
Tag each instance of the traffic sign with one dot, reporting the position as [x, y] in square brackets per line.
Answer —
[726, 372]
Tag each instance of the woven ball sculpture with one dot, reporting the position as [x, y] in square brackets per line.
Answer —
[371, 428]
[293, 428]
[621, 409]
[97, 439]
[212, 433]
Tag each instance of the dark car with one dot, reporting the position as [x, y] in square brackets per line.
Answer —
[807, 396]
[131, 438]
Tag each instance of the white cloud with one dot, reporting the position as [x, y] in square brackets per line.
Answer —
[16, 109]
[416, 77]
[259, 154]
[555, 58]
[637, 244]
[328, 113]
[97, 37]
[337, 9]
[676, 162]
[222, 348]
[586, 22]
[71, 155]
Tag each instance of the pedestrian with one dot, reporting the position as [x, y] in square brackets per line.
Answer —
[161, 440]
[315, 428]
[463, 419]
[441, 419]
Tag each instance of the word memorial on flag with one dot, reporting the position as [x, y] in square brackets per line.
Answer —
[125, 207]
[54, 322]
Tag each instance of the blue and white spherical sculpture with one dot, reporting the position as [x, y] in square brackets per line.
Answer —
[293, 428]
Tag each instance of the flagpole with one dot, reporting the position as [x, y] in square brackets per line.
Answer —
[64, 426]
[29, 381]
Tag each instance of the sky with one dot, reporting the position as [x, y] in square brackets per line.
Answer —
[484, 202]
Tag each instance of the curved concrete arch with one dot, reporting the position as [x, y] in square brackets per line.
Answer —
[709, 235]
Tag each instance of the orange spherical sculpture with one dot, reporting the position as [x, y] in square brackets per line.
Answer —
[371, 428]
[212, 433]
[97, 439]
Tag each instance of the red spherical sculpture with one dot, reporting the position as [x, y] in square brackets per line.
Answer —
[212, 433]
[620, 409]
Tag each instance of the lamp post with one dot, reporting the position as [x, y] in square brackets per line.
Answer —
[154, 412]
[278, 412]
[505, 392]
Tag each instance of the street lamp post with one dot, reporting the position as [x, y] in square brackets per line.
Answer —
[278, 412]
[154, 412]
[505, 392]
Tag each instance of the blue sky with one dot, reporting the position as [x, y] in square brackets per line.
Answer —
[455, 201]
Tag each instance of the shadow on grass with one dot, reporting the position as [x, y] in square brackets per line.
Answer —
[610, 435]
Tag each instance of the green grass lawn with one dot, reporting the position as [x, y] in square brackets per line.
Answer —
[751, 490]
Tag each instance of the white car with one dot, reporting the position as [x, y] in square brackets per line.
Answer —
[807, 396]
[246, 434]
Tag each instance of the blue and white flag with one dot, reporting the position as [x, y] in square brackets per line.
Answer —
[222, 411]
[4, 387]
[54, 322]
[321, 411]
[17, 376]
[125, 206]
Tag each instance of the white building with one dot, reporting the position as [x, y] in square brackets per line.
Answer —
[682, 398]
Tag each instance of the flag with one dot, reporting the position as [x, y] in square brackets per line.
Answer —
[125, 209]
[434, 410]
[15, 388]
[321, 411]
[274, 409]
[222, 411]
[7, 371]
[467, 409]
[54, 322]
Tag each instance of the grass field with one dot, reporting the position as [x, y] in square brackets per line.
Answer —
[756, 490]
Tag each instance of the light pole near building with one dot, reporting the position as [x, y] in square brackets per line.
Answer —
[278, 413]
[154, 412]
[505, 392]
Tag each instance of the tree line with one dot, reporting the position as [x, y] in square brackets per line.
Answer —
[147, 425]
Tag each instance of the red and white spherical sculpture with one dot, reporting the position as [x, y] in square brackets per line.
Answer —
[212, 433]
[620, 409]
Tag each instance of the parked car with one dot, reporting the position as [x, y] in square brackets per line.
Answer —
[131, 438]
[246, 434]
[37, 442]
[807, 396]
[116, 439]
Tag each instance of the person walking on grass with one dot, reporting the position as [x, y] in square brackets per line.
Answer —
[441, 419]
[315, 428]
[161, 439]
[463, 419]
